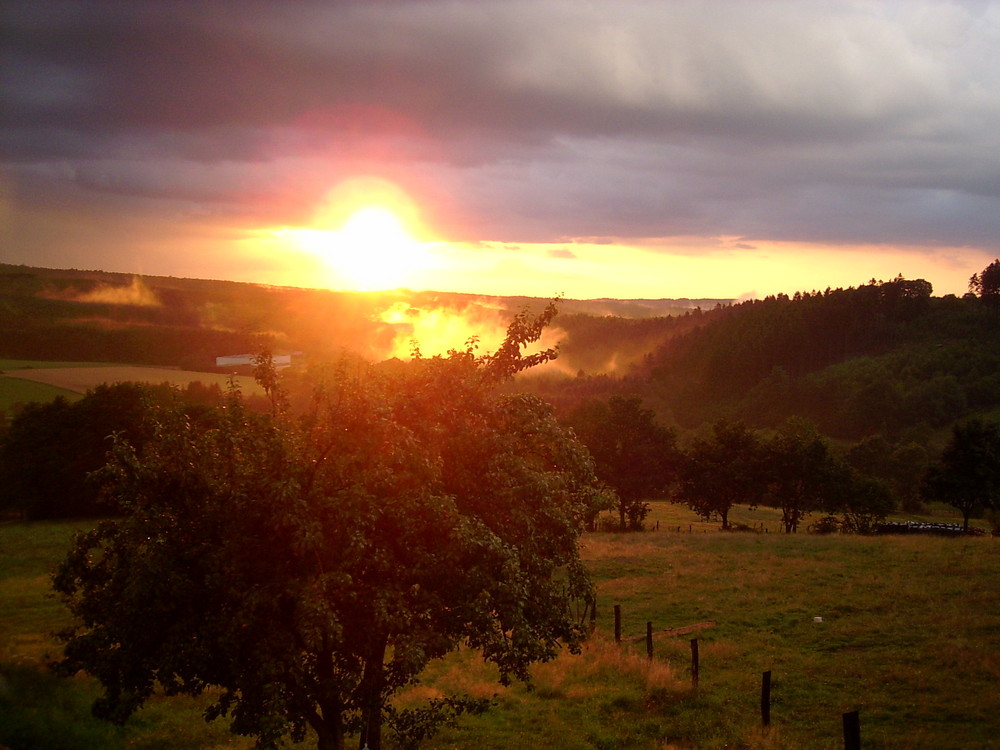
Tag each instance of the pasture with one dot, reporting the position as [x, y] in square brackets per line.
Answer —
[910, 637]
[22, 381]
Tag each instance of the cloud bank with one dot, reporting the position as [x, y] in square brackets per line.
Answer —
[838, 122]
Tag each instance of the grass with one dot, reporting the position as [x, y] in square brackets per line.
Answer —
[910, 636]
[24, 381]
[39, 364]
[14, 390]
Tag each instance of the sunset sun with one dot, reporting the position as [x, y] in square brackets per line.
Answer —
[366, 233]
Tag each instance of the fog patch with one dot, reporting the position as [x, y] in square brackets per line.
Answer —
[435, 330]
[136, 294]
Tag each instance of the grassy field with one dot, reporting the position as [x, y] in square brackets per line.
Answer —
[910, 637]
[22, 381]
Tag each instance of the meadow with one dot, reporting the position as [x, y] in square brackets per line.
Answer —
[909, 637]
[24, 381]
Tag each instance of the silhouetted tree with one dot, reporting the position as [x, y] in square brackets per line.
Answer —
[634, 454]
[51, 448]
[802, 476]
[863, 501]
[986, 283]
[899, 467]
[723, 470]
[967, 475]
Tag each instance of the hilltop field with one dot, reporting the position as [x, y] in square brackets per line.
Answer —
[22, 381]
[909, 637]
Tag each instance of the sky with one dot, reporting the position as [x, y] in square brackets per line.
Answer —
[591, 149]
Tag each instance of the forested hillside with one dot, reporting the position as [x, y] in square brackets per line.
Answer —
[836, 400]
[884, 358]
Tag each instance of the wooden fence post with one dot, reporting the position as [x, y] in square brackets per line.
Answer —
[852, 731]
[593, 613]
[694, 662]
[765, 699]
[618, 623]
[649, 640]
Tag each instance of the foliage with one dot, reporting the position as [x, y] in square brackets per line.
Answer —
[634, 454]
[883, 358]
[967, 475]
[310, 565]
[899, 467]
[802, 475]
[865, 503]
[50, 449]
[921, 605]
[723, 470]
[986, 283]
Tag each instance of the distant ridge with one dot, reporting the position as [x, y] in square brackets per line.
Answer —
[91, 315]
[598, 306]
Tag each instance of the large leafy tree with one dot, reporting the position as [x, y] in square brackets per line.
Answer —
[309, 565]
[635, 455]
[898, 467]
[967, 475]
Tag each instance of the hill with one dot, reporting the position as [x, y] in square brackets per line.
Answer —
[884, 358]
[50, 314]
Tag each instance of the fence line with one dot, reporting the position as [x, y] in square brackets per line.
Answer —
[851, 720]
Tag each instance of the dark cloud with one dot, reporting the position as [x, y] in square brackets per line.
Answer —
[526, 121]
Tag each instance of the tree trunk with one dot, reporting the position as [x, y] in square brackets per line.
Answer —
[328, 722]
[372, 684]
[329, 740]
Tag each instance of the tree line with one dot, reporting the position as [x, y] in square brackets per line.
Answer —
[885, 358]
[49, 452]
[793, 469]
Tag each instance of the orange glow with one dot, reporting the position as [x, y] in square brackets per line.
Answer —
[435, 330]
[367, 232]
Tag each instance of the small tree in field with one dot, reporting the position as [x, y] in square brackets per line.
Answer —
[967, 476]
[634, 454]
[802, 475]
[309, 565]
[723, 470]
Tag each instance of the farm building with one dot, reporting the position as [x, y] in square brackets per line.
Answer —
[237, 360]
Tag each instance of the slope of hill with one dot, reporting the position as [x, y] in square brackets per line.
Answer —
[885, 357]
[94, 315]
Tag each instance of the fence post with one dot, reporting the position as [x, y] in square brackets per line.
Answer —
[618, 623]
[694, 662]
[765, 699]
[649, 640]
[852, 731]
[593, 613]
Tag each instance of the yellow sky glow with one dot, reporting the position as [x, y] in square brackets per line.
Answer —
[368, 235]
[319, 258]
